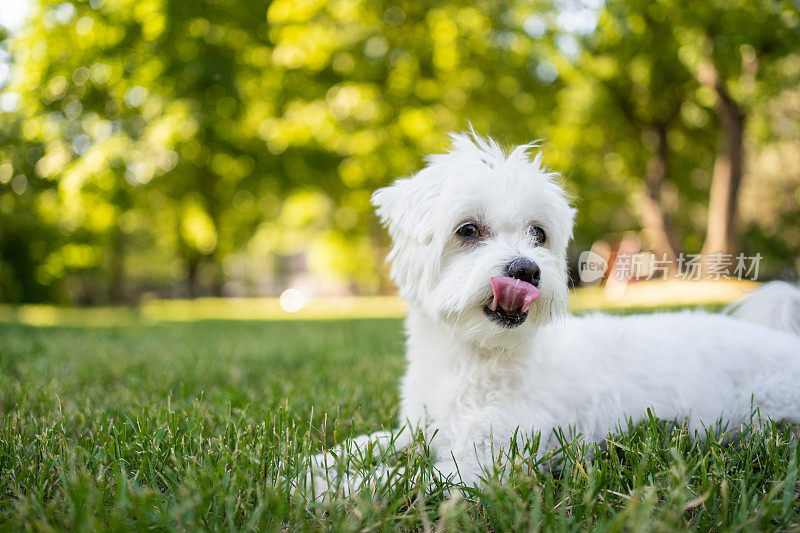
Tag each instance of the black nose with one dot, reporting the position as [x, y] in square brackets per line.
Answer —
[524, 269]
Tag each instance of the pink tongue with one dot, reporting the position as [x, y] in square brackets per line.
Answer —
[512, 295]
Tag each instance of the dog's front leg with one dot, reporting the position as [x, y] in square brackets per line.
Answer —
[341, 470]
[461, 469]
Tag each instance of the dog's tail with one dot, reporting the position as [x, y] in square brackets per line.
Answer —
[775, 305]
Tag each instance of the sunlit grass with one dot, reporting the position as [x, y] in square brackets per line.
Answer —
[184, 426]
[206, 309]
[636, 296]
[659, 294]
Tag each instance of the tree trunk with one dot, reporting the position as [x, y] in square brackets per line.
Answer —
[117, 267]
[218, 285]
[214, 208]
[728, 167]
[192, 282]
[654, 220]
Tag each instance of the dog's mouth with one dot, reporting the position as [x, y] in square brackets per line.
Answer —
[510, 301]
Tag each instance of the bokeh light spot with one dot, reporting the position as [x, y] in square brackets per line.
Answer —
[292, 300]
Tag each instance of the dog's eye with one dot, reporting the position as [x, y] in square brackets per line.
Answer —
[538, 234]
[469, 231]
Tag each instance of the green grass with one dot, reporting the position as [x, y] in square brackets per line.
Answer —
[191, 425]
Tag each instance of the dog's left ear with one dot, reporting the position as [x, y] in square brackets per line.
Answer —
[567, 225]
[573, 214]
[406, 206]
[408, 209]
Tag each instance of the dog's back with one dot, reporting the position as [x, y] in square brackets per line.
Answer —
[775, 305]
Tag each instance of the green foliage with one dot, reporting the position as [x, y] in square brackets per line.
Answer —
[156, 143]
[187, 426]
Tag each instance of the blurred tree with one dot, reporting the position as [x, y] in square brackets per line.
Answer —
[139, 119]
[379, 84]
[26, 232]
[634, 90]
[150, 142]
[733, 48]
[651, 72]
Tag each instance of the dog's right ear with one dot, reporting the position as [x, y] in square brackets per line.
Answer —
[406, 206]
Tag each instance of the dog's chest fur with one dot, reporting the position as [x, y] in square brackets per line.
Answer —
[461, 394]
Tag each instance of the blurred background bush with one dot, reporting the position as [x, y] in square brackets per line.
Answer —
[181, 148]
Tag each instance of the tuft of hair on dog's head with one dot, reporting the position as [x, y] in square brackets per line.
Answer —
[470, 215]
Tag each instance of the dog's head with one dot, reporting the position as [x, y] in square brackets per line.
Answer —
[479, 241]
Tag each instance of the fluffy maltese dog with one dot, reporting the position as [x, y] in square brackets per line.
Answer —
[479, 253]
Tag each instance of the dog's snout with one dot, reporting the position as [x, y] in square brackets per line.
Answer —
[524, 269]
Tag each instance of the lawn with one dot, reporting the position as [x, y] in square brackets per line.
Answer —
[184, 425]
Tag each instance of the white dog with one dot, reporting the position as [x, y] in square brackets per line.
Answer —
[479, 253]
